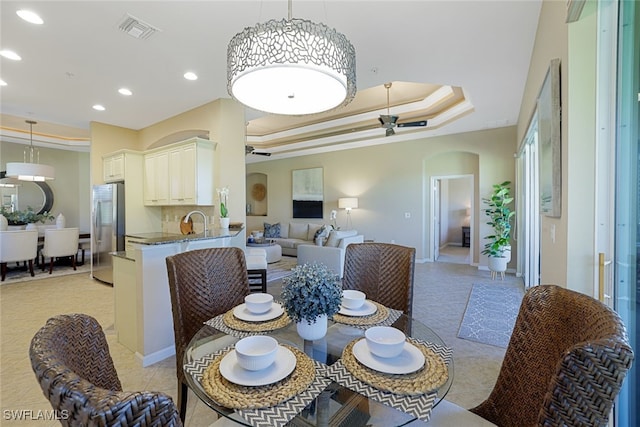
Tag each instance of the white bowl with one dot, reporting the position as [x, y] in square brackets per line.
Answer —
[385, 341]
[256, 352]
[258, 303]
[352, 299]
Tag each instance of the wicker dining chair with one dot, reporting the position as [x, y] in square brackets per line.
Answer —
[203, 284]
[564, 365]
[383, 271]
[71, 360]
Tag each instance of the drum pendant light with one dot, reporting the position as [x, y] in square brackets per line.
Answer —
[31, 170]
[291, 67]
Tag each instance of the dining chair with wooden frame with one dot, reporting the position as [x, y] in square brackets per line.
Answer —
[564, 365]
[60, 243]
[383, 271]
[71, 360]
[203, 283]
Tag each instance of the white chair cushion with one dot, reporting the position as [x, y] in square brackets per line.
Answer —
[19, 245]
[59, 242]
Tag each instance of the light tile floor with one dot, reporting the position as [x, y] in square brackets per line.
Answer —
[440, 297]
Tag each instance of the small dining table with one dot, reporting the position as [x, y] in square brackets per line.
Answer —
[339, 398]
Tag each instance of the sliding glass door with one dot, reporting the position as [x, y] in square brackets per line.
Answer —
[627, 205]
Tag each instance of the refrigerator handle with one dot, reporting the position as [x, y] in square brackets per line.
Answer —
[97, 223]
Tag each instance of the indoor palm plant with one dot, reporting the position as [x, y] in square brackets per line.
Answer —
[500, 215]
[311, 295]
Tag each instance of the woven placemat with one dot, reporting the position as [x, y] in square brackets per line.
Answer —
[381, 314]
[241, 325]
[235, 396]
[430, 377]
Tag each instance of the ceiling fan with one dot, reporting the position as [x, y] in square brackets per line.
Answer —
[249, 149]
[389, 121]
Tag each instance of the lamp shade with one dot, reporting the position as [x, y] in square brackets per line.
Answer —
[348, 202]
[291, 67]
[30, 171]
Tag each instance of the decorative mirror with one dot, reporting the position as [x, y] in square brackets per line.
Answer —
[18, 195]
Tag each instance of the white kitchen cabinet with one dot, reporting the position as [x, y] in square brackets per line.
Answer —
[113, 167]
[156, 178]
[187, 176]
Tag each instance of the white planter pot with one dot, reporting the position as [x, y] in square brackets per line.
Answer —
[507, 253]
[313, 331]
[224, 222]
[498, 264]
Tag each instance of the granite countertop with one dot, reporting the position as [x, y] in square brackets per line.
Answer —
[166, 238]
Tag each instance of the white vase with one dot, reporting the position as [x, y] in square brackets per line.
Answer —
[31, 226]
[61, 221]
[4, 223]
[313, 331]
[224, 222]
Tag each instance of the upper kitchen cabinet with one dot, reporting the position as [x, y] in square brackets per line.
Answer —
[113, 167]
[188, 178]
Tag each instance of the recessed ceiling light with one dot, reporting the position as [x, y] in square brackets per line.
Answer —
[30, 16]
[124, 91]
[190, 76]
[2, 83]
[9, 54]
[99, 107]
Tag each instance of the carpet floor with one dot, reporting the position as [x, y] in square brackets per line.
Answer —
[490, 314]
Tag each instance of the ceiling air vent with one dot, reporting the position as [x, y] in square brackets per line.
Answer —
[136, 28]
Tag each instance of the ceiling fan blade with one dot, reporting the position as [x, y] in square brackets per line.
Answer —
[412, 124]
[258, 153]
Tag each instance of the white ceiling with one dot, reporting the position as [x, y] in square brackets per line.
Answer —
[79, 57]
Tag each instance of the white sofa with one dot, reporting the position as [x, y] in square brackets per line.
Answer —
[332, 254]
[292, 235]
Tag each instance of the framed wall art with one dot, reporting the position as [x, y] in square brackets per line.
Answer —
[307, 193]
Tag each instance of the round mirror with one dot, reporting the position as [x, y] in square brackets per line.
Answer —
[18, 195]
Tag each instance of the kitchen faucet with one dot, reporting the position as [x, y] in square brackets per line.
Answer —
[186, 219]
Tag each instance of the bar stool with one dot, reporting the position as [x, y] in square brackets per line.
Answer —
[257, 269]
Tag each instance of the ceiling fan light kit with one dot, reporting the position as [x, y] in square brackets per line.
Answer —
[291, 67]
[31, 170]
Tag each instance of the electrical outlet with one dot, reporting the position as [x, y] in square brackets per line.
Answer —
[407, 215]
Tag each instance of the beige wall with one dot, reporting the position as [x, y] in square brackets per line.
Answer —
[568, 259]
[390, 180]
[71, 193]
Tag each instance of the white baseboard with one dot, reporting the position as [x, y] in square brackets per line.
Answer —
[157, 356]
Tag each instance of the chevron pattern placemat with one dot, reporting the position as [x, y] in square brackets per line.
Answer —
[419, 406]
[276, 416]
[388, 318]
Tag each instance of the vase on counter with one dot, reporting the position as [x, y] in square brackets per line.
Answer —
[61, 222]
[224, 222]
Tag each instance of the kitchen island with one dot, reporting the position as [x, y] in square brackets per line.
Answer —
[142, 314]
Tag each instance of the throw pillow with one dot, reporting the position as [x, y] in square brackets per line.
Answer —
[271, 230]
[333, 239]
[313, 230]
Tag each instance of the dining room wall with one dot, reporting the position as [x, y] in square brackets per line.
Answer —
[71, 194]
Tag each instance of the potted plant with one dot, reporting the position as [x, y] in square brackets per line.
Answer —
[498, 247]
[311, 295]
[223, 195]
[28, 216]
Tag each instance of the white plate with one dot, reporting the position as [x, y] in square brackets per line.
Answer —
[285, 364]
[365, 310]
[410, 360]
[242, 313]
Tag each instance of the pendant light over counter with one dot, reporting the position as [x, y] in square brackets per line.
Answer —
[31, 170]
[291, 67]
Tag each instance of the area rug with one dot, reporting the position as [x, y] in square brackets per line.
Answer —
[18, 276]
[490, 314]
[280, 269]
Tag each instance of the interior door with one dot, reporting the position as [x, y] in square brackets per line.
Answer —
[435, 229]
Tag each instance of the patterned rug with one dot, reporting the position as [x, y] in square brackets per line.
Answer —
[490, 314]
[280, 269]
[23, 275]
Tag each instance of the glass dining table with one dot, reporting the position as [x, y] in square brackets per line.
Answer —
[340, 399]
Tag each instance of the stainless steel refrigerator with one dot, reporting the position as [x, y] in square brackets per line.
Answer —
[107, 229]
